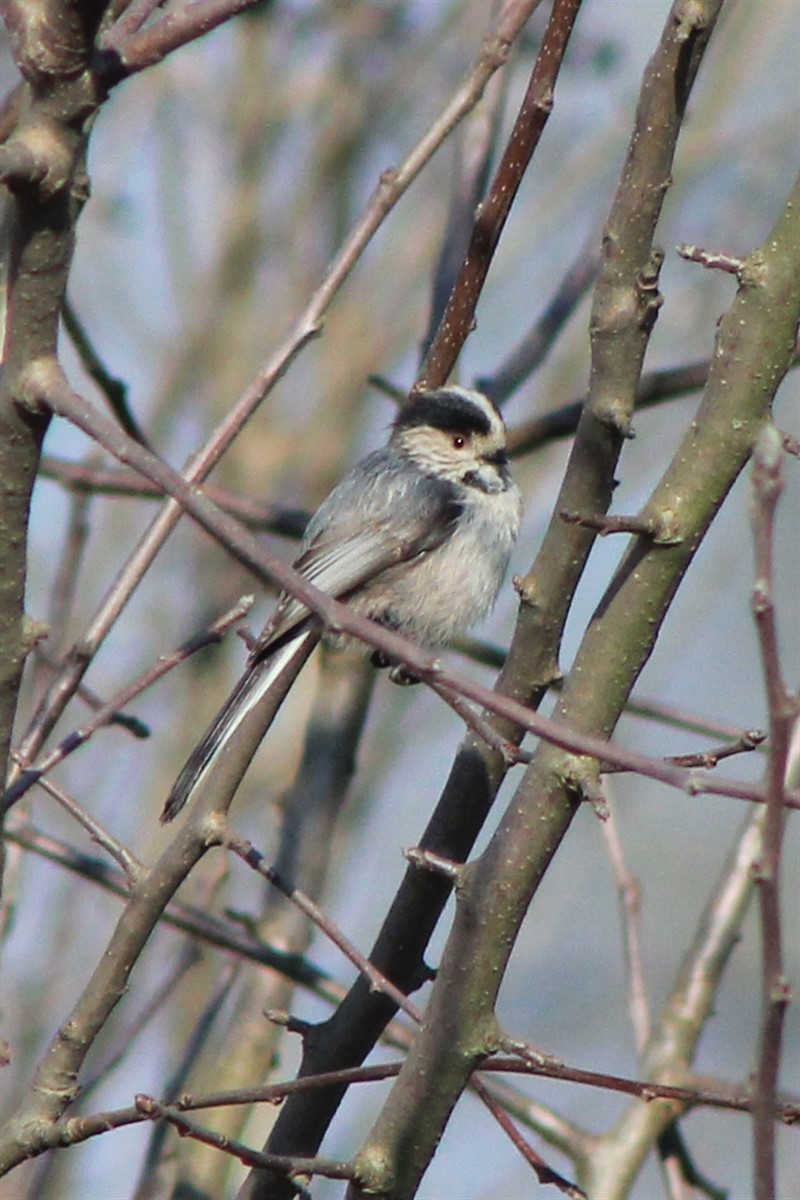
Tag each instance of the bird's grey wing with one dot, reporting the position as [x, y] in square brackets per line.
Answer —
[338, 562]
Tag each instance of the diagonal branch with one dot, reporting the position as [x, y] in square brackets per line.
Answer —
[537, 105]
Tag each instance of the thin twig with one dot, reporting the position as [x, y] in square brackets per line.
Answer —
[132, 867]
[132, 724]
[711, 259]
[629, 893]
[330, 1168]
[708, 759]
[604, 523]
[783, 712]
[31, 774]
[112, 481]
[198, 923]
[715, 1095]
[475, 149]
[254, 859]
[114, 390]
[511, 753]
[130, 48]
[544, 1173]
[536, 106]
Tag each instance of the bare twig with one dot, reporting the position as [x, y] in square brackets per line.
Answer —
[712, 259]
[132, 724]
[198, 923]
[708, 759]
[485, 730]
[128, 48]
[114, 390]
[783, 712]
[544, 1173]
[475, 149]
[254, 859]
[534, 111]
[714, 1095]
[128, 863]
[290, 1165]
[629, 893]
[113, 481]
[216, 631]
[428, 861]
[604, 524]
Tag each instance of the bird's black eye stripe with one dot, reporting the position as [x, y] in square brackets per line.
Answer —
[443, 410]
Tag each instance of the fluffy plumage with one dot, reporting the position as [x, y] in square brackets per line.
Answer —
[417, 536]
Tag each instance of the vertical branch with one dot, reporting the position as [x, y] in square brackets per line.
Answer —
[775, 994]
[41, 165]
[625, 305]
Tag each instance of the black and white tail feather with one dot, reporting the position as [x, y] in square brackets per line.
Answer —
[416, 536]
[256, 682]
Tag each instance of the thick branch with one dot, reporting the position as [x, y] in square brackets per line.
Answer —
[41, 163]
[755, 342]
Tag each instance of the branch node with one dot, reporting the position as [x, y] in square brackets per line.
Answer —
[529, 1054]
[691, 19]
[604, 524]
[581, 775]
[292, 1024]
[33, 632]
[712, 260]
[781, 991]
[525, 587]
[38, 158]
[428, 860]
[40, 380]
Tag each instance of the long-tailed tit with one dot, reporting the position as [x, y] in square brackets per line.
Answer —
[416, 536]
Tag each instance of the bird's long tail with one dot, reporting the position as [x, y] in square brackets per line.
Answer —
[243, 720]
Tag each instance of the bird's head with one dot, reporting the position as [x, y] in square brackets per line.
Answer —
[454, 434]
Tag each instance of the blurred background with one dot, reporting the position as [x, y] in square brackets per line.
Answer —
[223, 182]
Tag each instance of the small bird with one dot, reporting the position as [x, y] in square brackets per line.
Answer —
[417, 536]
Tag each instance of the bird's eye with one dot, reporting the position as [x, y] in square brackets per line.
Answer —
[459, 441]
